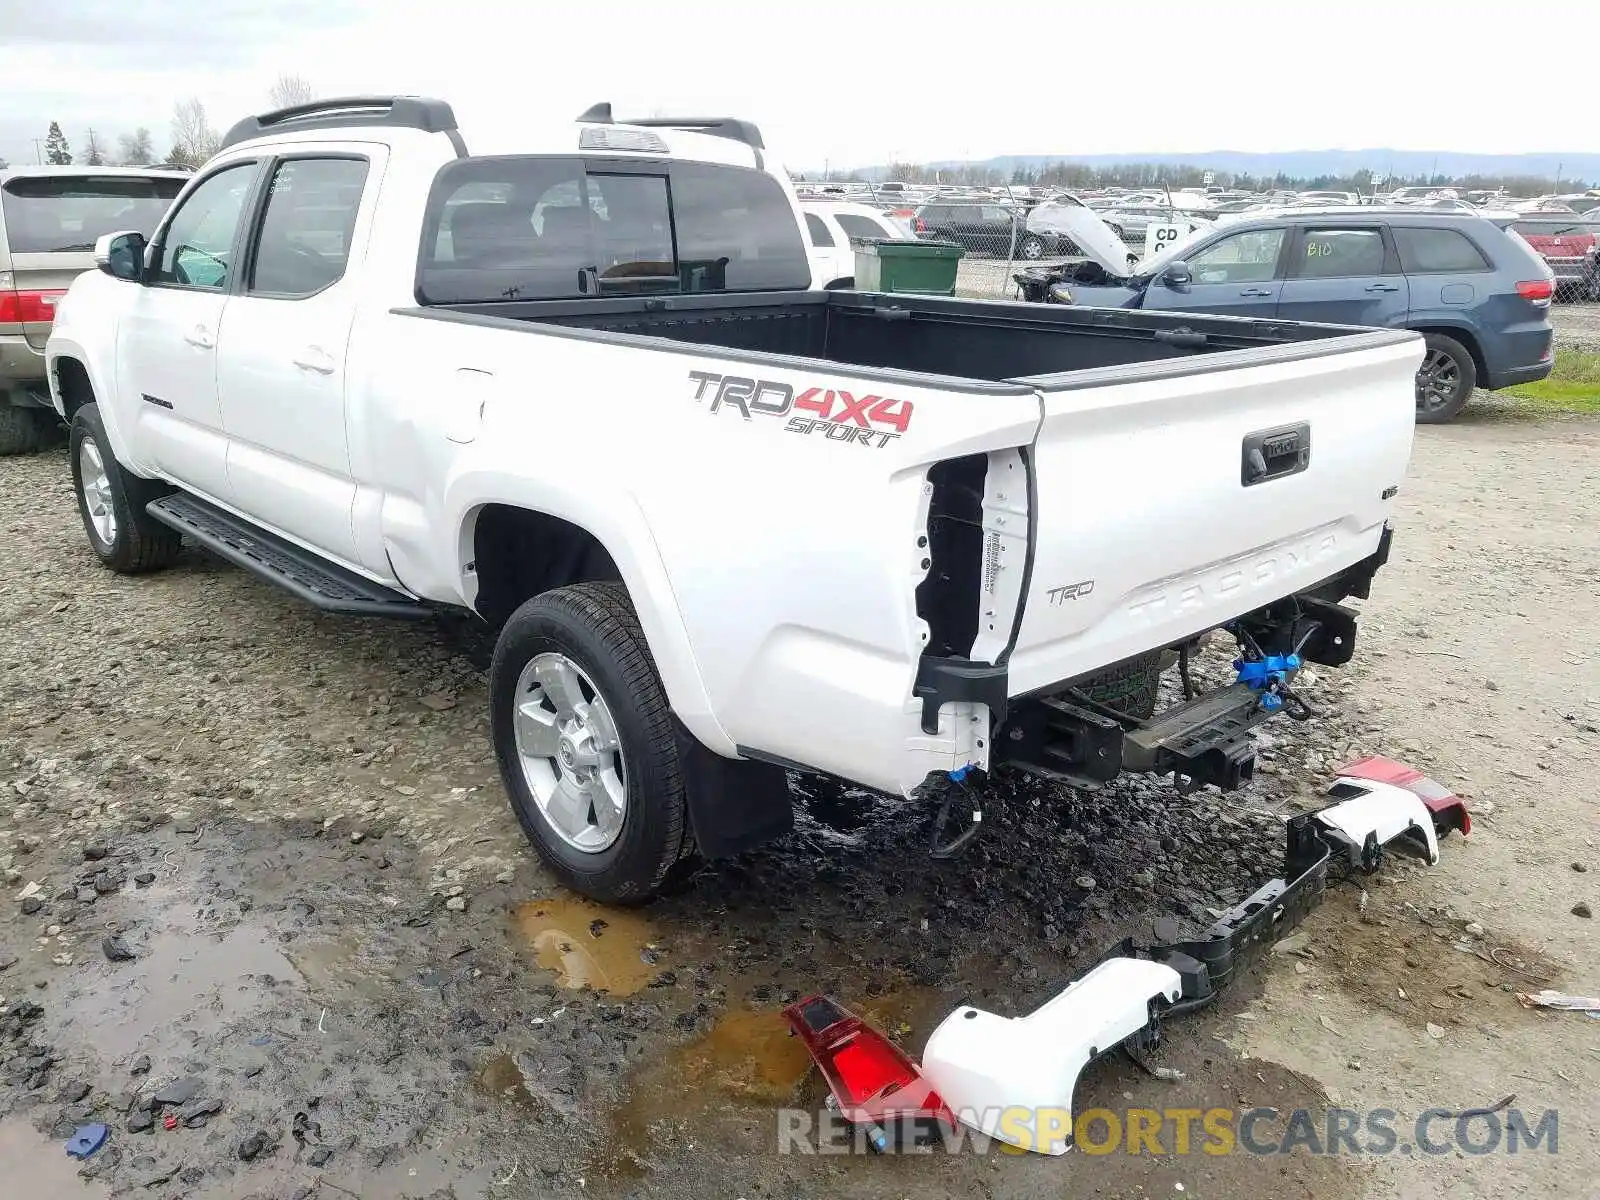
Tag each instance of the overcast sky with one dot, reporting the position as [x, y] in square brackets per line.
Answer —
[848, 82]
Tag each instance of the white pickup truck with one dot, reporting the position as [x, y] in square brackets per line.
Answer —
[726, 523]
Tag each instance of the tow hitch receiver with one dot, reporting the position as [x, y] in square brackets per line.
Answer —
[986, 1066]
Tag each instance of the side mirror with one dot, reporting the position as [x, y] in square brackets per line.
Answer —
[121, 255]
[1177, 275]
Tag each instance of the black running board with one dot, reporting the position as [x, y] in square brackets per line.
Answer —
[298, 571]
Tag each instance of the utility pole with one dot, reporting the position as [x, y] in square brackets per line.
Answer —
[38, 152]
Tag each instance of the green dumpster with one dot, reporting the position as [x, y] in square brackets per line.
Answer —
[906, 265]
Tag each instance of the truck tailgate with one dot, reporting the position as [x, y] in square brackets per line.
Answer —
[1212, 485]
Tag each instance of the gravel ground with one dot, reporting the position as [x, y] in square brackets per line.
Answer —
[261, 854]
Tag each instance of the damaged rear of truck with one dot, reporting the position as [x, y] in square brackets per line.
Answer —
[724, 522]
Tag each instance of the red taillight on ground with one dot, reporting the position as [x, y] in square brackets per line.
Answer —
[1536, 290]
[17, 307]
[872, 1081]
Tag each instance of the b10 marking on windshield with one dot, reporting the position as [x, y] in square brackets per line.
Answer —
[837, 415]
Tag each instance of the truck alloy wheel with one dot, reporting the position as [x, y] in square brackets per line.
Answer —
[586, 745]
[1031, 248]
[570, 754]
[99, 508]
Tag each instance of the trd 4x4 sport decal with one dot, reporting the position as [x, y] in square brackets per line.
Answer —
[837, 415]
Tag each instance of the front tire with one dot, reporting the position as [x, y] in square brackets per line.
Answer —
[586, 745]
[1032, 248]
[1445, 381]
[112, 503]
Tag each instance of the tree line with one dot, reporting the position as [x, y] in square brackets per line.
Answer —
[1082, 177]
[193, 138]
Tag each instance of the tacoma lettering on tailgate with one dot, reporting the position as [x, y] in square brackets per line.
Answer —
[839, 416]
[1230, 579]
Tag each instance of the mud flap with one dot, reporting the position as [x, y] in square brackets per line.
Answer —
[1014, 1078]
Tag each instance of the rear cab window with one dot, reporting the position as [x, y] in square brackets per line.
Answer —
[538, 228]
[54, 214]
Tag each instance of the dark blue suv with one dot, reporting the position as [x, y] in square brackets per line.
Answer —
[1476, 291]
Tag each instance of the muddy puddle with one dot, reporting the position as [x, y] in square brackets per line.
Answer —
[726, 1084]
[590, 946]
[184, 976]
[36, 1169]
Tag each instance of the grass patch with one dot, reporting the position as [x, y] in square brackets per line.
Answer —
[1573, 386]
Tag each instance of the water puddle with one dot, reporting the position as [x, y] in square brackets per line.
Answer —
[502, 1079]
[40, 1170]
[746, 1055]
[427, 1173]
[748, 1062]
[184, 975]
[588, 945]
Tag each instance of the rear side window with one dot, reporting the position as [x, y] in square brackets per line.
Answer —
[56, 213]
[1428, 251]
[858, 228]
[1339, 254]
[304, 242]
[531, 228]
[818, 229]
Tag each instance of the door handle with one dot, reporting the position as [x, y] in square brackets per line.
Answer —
[200, 337]
[1383, 287]
[315, 358]
[1256, 292]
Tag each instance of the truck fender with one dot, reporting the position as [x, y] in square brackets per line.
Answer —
[620, 526]
[102, 378]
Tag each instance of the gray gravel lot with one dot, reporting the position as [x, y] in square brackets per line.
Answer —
[293, 823]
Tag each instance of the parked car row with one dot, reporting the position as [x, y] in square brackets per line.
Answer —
[1470, 284]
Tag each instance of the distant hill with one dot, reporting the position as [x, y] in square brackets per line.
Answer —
[1575, 167]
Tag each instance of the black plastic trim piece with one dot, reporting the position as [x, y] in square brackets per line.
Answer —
[1026, 454]
[349, 112]
[777, 760]
[942, 681]
[298, 571]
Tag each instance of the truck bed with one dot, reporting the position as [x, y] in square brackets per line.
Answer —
[993, 341]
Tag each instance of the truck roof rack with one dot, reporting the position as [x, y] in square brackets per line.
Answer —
[731, 128]
[343, 112]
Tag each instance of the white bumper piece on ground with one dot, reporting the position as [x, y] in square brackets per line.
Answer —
[984, 1065]
[1370, 814]
[1013, 1078]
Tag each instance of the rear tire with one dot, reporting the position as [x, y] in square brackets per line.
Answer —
[593, 627]
[122, 535]
[1031, 248]
[26, 430]
[1445, 381]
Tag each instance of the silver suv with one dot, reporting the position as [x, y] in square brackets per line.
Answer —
[49, 220]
